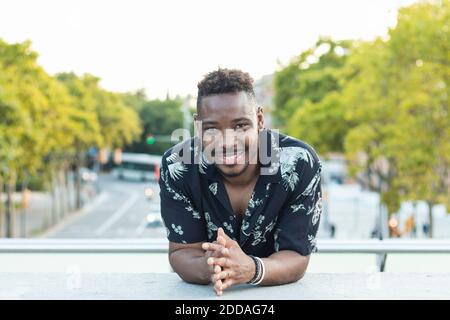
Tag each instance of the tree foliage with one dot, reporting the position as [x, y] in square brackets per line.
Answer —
[386, 107]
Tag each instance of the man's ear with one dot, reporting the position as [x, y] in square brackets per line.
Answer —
[260, 117]
[197, 124]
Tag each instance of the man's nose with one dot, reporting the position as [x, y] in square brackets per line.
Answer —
[229, 148]
[230, 140]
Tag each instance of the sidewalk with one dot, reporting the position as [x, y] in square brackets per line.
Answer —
[37, 215]
[37, 218]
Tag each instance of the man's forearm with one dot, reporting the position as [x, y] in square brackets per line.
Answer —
[284, 267]
[191, 266]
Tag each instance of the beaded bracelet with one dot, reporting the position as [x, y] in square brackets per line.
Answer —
[263, 271]
[259, 271]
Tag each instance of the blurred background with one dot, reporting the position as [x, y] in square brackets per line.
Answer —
[90, 93]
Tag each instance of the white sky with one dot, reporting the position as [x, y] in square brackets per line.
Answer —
[170, 44]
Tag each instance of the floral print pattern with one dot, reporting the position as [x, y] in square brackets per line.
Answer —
[283, 212]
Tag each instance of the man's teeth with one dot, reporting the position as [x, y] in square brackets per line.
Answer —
[231, 158]
[233, 155]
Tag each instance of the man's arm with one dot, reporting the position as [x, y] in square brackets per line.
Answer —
[186, 228]
[189, 262]
[285, 266]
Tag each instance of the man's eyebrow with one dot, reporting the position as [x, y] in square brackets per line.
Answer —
[209, 122]
[241, 119]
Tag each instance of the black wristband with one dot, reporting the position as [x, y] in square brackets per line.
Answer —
[257, 271]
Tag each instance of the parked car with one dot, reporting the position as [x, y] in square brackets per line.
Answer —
[154, 220]
[87, 175]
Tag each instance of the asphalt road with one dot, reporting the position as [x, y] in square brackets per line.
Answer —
[119, 211]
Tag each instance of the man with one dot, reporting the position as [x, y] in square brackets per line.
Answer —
[235, 216]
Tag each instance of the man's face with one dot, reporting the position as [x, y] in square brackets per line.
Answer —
[229, 125]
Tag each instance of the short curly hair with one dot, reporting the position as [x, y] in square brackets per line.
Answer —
[225, 81]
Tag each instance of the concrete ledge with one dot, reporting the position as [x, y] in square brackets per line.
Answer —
[75, 285]
[161, 246]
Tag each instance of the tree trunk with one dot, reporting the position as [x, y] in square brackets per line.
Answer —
[77, 182]
[62, 193]
[380, 219]
[23, 216]
[54, 216]
[1, 208]
[415, 215]
[69, 194]
[430, 219]
[9, 221]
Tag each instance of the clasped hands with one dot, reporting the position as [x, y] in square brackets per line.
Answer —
[228, 264]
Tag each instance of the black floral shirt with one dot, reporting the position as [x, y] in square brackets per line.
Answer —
[283, 212]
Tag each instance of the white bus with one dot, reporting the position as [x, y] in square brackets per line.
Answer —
[138, 166]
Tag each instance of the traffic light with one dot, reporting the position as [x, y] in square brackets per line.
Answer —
[150, 139]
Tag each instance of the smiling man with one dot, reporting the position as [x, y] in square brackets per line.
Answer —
[241, 203]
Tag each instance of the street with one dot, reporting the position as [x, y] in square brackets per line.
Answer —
[119, 211]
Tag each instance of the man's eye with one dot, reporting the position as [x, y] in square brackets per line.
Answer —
[240, 126]
[210, 131]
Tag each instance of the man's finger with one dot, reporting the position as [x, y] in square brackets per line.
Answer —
[206, 251]
[225, 252]
[218, 250]
[223, 238]
[214, 269]
[223, 262]
[227, 283]
[225, 274]
[222, 233]
[215, 254]
[212, 246]
[218, 292]
[218, 287]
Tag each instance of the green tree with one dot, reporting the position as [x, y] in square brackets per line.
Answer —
[387, 107]
[420, 45]
[158, 118]
[85, 123]
[101, 119]
[33, 108]
[399, 100]
[47, 124]
[309, 77]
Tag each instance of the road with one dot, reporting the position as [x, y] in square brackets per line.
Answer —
[119, 211]
[121, 208]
